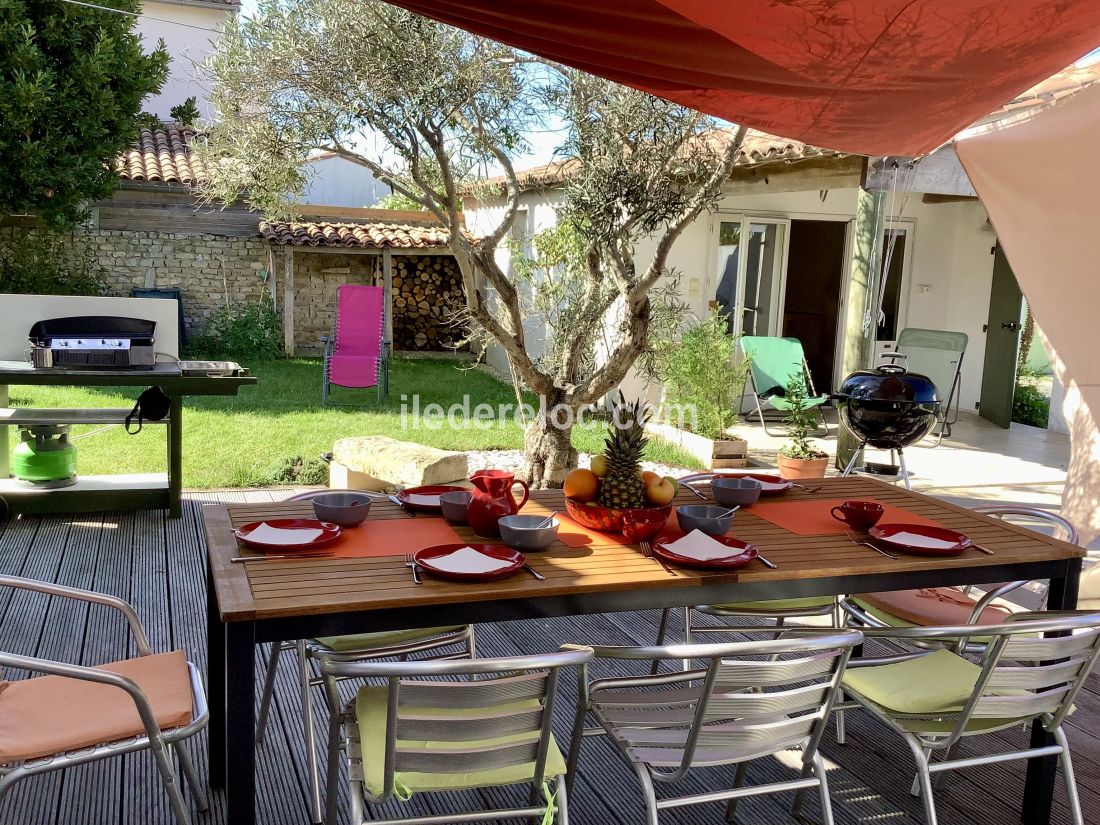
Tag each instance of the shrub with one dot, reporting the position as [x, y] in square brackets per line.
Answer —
[1030, 405]
[800, 420]
[41, 262]
[295, 470]
[250, 330]
[700, 371]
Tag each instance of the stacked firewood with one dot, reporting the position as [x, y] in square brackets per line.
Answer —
[427, 294]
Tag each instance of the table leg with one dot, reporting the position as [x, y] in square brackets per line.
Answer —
[240, 723]
[215, 685]
[5, 450]
[175, 455]
[1042, 770]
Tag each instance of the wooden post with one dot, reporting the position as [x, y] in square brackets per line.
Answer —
[288, 300]
[387, 286]
[866, 269]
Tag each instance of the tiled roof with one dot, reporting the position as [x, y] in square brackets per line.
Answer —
[1054, 88]
[162, 155]
[758, 148]
[373, 235]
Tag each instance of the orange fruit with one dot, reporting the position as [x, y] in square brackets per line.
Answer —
[648, 476]
[582, 485]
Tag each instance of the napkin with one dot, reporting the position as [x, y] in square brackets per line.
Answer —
[468, 560]
[698, 545]
[266, 534]
[921, 540]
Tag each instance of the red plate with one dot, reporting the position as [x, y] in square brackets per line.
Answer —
[427, 557]
[920, 539]
[329, 534]
[426, 498]
[770, 485]
[742, 553]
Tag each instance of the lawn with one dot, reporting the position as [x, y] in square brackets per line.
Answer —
[237, 441]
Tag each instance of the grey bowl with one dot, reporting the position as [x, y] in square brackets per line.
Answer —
[520, 532]
[454, 505]
[702, 517]
[345, 509]
[736, 492]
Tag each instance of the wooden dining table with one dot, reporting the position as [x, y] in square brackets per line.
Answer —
[270, 600]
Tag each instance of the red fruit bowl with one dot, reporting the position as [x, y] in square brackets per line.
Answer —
[610, 519]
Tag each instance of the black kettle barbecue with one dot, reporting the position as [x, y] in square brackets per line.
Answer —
[888, 408]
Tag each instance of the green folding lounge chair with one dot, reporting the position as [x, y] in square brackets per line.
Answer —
[772, 362]
[939, 355]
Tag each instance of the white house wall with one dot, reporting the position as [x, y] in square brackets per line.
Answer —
[334, 181]
[948, 279]
[188, 48]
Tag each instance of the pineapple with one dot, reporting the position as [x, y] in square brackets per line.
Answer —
[622, 487]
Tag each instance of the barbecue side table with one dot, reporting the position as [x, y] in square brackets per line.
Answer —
[119, 492]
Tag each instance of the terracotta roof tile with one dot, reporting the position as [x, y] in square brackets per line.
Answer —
[373, 235]
[162, 155]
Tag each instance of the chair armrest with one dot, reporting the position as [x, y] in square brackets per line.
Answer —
[990, 597]
[50, 589]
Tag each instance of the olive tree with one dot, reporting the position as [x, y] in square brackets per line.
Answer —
[428, 109]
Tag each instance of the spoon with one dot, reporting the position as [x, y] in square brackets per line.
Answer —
[545, 522]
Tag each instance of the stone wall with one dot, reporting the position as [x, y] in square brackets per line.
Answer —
[214, 270]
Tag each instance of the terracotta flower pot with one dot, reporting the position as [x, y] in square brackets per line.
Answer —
[796, 468]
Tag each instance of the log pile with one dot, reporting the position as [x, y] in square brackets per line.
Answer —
[427, 293]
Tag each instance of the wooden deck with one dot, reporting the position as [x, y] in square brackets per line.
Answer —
[157, 564]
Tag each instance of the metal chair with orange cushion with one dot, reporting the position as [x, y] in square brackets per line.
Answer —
[954, 606]
[75, 714]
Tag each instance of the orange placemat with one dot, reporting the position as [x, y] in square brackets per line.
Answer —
[811, 518]
[390, 537]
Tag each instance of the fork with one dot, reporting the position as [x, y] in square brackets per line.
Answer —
[401, 504]
[857, 540]
[647, 551]
[410, 562]
[694, 492]
[806, 489]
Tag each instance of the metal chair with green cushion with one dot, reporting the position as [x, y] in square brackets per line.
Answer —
[1030, 670]
[750, 700]
[939, 606]
[452, 642]
[443, 726]
[939, 355]
[772, 363]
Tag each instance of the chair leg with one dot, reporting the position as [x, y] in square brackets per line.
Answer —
[650, 797]
[471, 651]
[269, 691]
[187, 768]
[687, 635]
[169, 780]
[738, 781]
[823, 787]
[1068, 776]
[662, 632]
[304, 683]
[561, 797]
[923, 782]
[332, 780]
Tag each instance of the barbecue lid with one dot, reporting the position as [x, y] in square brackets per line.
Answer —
[92, 326]
[890, 383]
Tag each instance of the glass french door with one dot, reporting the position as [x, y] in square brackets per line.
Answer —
[752, 255]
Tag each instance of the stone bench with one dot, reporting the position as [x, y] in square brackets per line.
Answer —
[378, 462]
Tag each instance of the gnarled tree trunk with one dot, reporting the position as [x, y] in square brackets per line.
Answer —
[548, 446]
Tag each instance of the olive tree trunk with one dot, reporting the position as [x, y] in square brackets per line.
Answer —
[548, 444]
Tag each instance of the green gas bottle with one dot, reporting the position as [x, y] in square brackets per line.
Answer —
[44, 455]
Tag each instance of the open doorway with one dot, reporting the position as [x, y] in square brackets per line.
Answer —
[811, 309]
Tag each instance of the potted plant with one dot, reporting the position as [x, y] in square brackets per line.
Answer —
[799, 458]
[703, 381]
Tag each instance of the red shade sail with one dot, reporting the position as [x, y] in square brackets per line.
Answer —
[872, 77]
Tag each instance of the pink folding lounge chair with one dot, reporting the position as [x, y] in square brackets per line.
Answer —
[357, 354]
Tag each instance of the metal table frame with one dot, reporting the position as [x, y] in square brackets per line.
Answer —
[232, 689]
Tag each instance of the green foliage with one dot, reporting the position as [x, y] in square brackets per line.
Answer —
[148, 120]
[295, 470]
[701, 372]
[71, 84]
[42, 262]
[1029, 404]
[395, 200]
[186, 113]
[800, 420]
[249, 330]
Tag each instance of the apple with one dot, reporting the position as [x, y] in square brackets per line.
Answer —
[661, 491]
[648, 476]
[598, 465]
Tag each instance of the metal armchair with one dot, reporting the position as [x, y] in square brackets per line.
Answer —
[1031, 669]
[752, 699]
[112, 732]
[422, 731]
